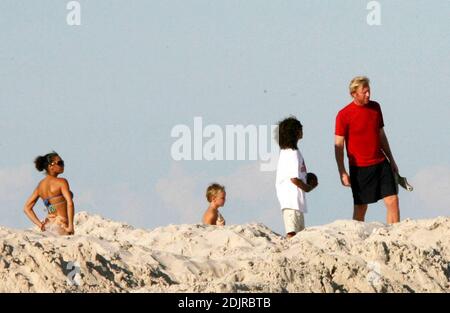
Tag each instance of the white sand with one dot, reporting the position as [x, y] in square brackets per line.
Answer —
[344, 256]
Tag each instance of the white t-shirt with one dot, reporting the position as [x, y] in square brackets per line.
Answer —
[291, 165]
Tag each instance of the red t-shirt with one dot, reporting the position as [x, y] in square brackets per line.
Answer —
[360, 125]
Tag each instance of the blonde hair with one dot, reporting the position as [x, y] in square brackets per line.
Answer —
[358, 81]
[213, 190]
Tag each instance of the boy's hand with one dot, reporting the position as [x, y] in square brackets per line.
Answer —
[345, 179]
[220, 220]
[314, 184]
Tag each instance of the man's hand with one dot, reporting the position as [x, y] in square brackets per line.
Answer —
[339, 154]
[345, 179]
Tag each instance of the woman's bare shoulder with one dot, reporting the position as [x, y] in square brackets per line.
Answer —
[61, 181]
[41, 184]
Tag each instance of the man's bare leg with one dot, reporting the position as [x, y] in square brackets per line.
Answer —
[393, 209]
[359, 212]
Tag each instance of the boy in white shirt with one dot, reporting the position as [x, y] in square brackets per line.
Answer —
[291, 182]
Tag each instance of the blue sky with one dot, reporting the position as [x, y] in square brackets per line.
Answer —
[106, 95]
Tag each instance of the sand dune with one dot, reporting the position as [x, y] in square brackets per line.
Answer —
[345, 256]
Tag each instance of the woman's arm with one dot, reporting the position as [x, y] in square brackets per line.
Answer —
[28, 209]
[67, 194]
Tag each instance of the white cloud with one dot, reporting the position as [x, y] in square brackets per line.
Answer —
[14, 181]
[131, 206]
[432, 190]
[249, 183]
[119, 202]
[16, 185]
[181, 194]
[85, 198]
[250, 195]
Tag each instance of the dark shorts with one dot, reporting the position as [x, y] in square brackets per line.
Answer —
[372, 183]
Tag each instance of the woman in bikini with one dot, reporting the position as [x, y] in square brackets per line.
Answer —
[56, 195]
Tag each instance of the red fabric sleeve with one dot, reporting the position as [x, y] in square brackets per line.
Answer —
[341, 127]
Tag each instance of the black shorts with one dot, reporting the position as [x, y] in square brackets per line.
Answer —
[372, 183]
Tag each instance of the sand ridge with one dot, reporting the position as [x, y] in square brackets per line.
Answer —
[344, 256]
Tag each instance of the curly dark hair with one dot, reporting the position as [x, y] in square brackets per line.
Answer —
[42, 162]
[286, 133]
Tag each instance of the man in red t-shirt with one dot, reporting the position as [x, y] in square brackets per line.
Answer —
[359, 126]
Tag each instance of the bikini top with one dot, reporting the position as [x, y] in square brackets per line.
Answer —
[51, 206]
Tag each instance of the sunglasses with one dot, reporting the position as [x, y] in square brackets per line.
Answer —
[59, 163]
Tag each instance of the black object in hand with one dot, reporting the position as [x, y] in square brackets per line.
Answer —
[403, 182]
[311, 179]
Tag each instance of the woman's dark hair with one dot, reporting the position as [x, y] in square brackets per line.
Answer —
[287, 133]
[42, 162]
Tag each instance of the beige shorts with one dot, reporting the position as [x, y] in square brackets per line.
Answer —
[55, 225]
[293, 220]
